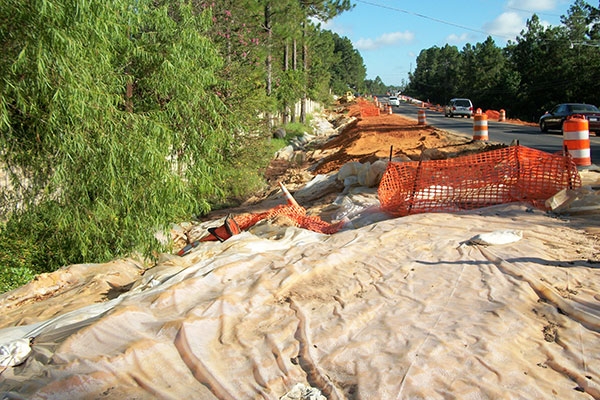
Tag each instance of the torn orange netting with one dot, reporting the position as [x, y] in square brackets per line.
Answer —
[235, 224]
[511, 174]
[295, 213]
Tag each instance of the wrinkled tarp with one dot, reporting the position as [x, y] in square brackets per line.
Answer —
[403, 308]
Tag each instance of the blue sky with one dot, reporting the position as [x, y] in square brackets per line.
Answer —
[390, 34]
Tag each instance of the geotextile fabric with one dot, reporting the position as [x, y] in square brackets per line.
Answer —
[394, 310]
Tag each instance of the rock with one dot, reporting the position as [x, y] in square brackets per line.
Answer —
[286, 153]
[298, 158]
[302, 392]
[279, 133]
[322, 126]
[362, 173]
[375, 173]
[320, 186]
[349, 169]
[350, 181]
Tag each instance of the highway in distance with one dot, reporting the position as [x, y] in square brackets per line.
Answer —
[499, 132]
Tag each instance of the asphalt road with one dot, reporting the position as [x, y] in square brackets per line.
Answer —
[501, 132]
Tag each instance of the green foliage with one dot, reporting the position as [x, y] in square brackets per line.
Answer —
[17, 254]
[289, 86]
[119, 117]
[545, 66]
[295, 129]
[106, 166]
[348, 71]
[376, 86]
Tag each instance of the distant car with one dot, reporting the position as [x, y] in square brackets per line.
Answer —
[459, 107]
[393, 101]
[553, 120]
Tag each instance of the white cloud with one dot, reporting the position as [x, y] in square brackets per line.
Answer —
[508, 24]
[387, 39]
[532, 5]
[456, 39]
[334, 26]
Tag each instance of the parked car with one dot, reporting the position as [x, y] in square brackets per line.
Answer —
[459, 107]
[553, 120]
[393, 101]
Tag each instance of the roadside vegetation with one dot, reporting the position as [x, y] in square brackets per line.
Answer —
[118, 118]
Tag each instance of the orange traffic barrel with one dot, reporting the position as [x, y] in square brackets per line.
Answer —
[576, 139]
[422, 118]
[390, 110]
[502, 116]
[480, 127]
[478, 111]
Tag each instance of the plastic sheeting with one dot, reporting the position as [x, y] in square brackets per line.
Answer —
[397, 309]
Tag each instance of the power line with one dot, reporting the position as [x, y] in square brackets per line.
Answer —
[441, 21]
[534, 12]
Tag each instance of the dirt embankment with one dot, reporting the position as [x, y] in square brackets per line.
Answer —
[368, 139]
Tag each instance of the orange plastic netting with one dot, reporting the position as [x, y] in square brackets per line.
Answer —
[294, 213]
[511, 174]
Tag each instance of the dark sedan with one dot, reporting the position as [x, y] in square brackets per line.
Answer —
[555, 118]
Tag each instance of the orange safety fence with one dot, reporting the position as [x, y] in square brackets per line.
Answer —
[295, 213]
[510, 174]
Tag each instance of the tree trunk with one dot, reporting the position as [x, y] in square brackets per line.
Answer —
[305, 72]
[268, 60]
[295, 66]
[286, 58]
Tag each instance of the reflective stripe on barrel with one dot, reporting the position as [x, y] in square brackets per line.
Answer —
[480, 127]
[422, 118]
[502, 116]
[576, 138]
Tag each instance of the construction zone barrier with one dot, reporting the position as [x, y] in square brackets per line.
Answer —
[480, 126]
[510, 174]
[502, 116]
[421, 117]
[293, 213]
[576, 139]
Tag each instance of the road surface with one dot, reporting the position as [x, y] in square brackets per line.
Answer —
[501, 132]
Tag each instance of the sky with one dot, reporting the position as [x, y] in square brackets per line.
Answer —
[390, 34]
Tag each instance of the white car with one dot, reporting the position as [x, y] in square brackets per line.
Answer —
[393, 101]
[459, 107]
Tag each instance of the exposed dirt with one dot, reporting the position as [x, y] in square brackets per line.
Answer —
[366, 139]
[388, 135]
